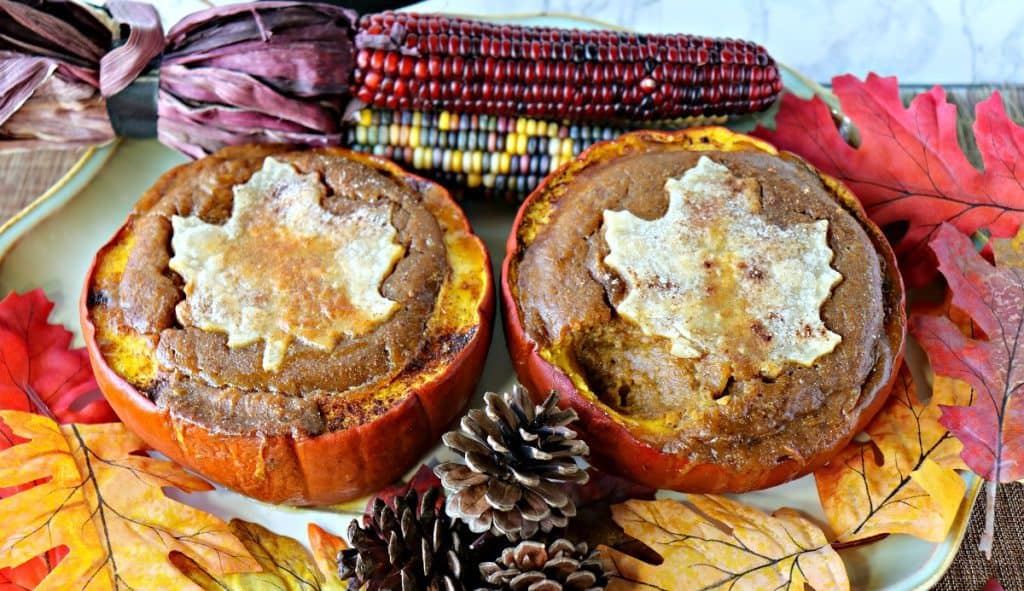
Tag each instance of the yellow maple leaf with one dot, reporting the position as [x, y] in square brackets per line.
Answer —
[903, 480]
[107, 506]
[287, 565]
[715, 543]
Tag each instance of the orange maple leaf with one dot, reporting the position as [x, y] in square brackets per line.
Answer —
[903, 480]
[717, 544]
[105, 504]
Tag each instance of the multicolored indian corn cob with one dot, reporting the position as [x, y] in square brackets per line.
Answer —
[480, 155]
[494, 156]
[426, 62]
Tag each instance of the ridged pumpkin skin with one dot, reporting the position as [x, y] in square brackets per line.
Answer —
[344, 464]
[613, 446]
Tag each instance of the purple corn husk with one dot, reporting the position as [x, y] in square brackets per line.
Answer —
[62, 112]
[61, 30]
[234, 90]
[49, 75]
[145, 41]
[256, 72]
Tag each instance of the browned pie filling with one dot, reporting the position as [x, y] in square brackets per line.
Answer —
[283, 371]
[719, 409]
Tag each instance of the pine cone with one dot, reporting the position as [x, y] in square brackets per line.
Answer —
[518, 458]
[401, 548]
[556, 567]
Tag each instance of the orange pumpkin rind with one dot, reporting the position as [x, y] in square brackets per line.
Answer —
[350, 462]
[615, 445]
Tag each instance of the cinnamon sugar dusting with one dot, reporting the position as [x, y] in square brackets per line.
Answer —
[719, 281]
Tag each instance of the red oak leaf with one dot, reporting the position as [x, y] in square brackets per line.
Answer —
[38, 372]
[992, 427]
[909, 167]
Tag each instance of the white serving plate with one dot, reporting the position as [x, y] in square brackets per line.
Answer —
[51, 244]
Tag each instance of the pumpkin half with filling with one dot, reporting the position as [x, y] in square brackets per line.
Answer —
[300, 326]
[723, 317]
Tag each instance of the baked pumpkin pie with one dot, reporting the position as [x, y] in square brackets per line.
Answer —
[723, 317]
[301, 326]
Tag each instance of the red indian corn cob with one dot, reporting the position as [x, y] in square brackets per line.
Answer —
[433, 62]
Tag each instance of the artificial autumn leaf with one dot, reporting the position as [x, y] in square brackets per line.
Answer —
[287, 565]
[991, 429]
[325, 547]
[716, 543]
[909, 166]
[39, 373]
[30, 573]
[105, 504]
[961, 393]
[896, 482]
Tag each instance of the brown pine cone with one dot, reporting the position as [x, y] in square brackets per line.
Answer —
[406, 547]
[518, 459]
[556, 567]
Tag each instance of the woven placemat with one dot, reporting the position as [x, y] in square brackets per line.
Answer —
[970, 570]
[24, 176]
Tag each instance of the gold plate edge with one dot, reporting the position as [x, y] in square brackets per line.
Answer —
[958, 532]
[51, 192]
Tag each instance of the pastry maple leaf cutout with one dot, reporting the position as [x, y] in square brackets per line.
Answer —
[285, 562]
[904, 479]
[283, 268]
[909, 166]
[992, 427]
[732, 286]
[105, 505]
[717, 544]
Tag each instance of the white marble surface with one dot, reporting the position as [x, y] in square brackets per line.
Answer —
[921, 41]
